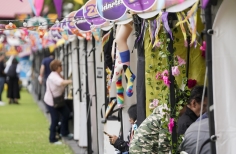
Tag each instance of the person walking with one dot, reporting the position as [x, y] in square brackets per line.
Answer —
[55, 88]
[45, 71]
[2, 74]
[13, 91]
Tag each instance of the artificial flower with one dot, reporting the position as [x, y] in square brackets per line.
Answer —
[191, 83]
[166, 81]
[175, 71]
[181, 61]
[165, 73]
[171, 125]
[203, 49]
[159, 76]
[154, 104]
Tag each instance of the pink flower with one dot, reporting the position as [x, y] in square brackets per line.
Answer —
[171, 125]
[154, 104]
[166, 81]
[175, 71]
[181, 61]
[159, 76]
[203, 49]
[165, 73]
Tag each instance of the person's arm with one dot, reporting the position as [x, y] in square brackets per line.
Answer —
[41, 73]
[66, 82]
[121, 145]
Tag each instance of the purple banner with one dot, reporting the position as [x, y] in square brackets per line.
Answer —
[111, 9]
[139, 5]
[90, 14]
[81, 23]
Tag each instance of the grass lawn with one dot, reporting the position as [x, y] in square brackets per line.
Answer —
[24, 129]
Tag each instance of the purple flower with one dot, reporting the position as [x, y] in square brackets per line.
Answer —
[166, 81]
[171, 125]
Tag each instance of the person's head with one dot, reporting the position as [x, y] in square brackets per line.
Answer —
[14, 61]
[195, 100]
[56, 66]
[51, 54]
[2, 56]
[132, 111]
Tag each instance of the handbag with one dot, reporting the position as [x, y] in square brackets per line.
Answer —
[58, 101]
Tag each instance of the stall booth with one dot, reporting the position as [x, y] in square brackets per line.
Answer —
[173, 47]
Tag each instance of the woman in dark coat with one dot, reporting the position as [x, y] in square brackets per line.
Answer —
[13, 92]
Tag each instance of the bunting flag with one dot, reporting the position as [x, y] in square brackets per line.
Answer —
[182, 28]
[58, 6]
[32, 6]
[38, 6]
[156, 43]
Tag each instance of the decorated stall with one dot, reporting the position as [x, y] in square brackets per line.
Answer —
[122, 52]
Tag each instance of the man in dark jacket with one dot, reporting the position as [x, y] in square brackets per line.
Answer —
[117, 142]
[190, 138]
[193, 109]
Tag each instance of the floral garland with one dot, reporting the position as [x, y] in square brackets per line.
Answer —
[162, 77]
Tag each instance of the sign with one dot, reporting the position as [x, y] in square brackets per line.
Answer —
[99, 72]
[139, 5]
[111, 9]
[90, 14]
[81, 23]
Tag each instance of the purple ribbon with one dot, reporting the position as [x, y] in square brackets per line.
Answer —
[204, 3]
[154, 27]
[166, 25]
[141, 31]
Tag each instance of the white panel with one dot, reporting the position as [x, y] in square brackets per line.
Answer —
[100, 98]
[91, 79]
[224, 64]
[83, 122]
[76, 101]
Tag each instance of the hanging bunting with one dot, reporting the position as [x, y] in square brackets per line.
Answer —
[182, 29]
[165, 23]
[38, 6]
[90, 14]
[58, 6]
[158, 27]
[32, 6]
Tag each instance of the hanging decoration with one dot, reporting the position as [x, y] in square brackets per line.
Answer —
[90, 14]
[58, 6]
[38, 6]
[111, 9]
[81, 23]
[139, 5]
